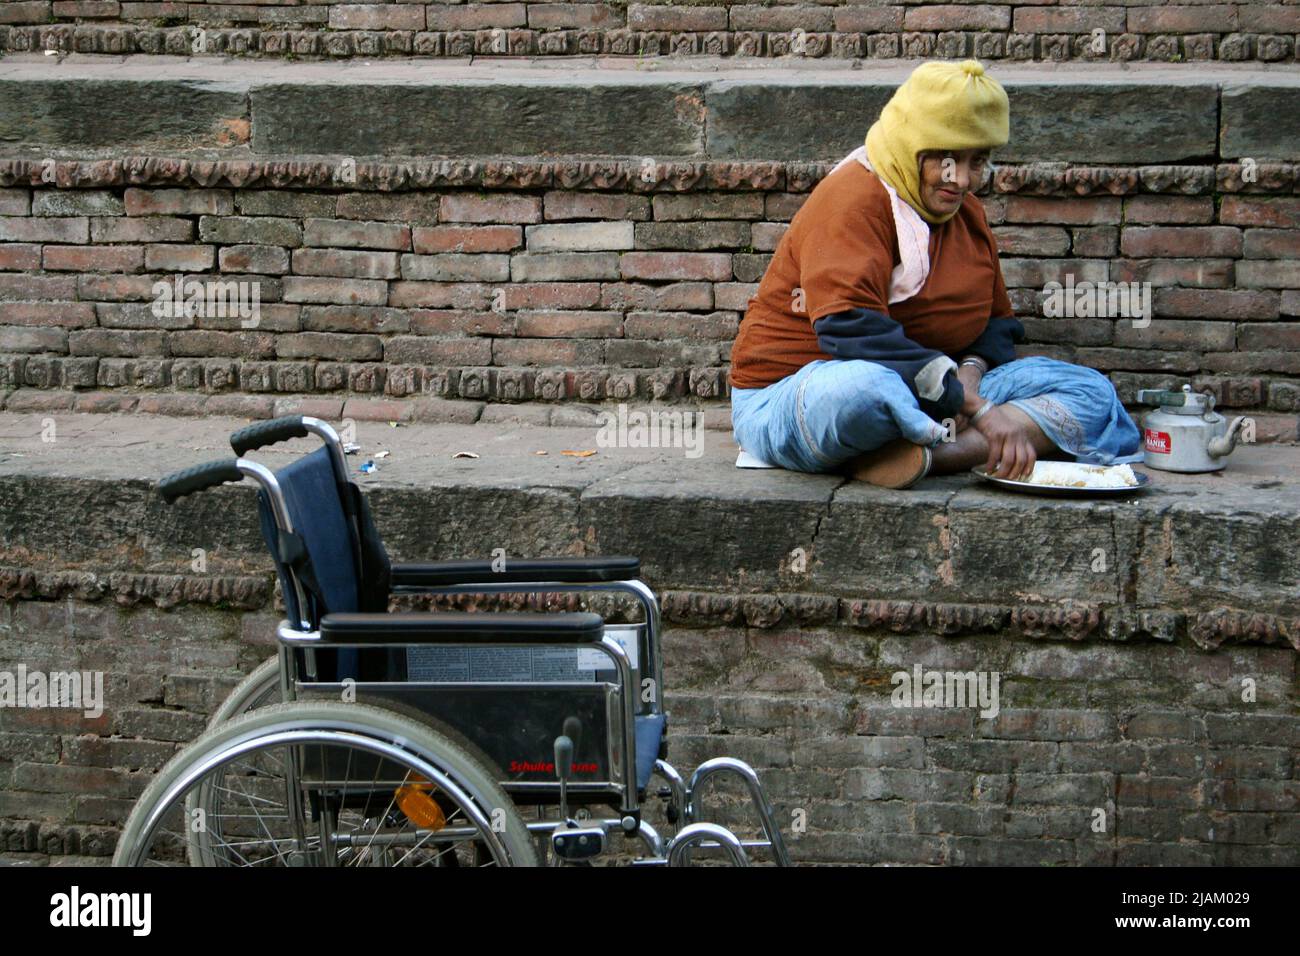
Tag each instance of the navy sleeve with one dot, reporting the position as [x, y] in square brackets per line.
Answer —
[866, 334]
[996, 344]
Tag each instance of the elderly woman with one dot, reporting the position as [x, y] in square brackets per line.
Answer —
[881, 340]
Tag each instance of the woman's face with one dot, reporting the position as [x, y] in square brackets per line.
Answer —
[947, 177]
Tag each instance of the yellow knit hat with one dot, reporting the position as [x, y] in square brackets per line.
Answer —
[941, 106]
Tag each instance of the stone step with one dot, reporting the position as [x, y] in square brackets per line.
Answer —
[1213, 558]
[714, 109]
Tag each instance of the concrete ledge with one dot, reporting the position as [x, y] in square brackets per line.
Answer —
[1194, 557]
[1258, 119]
[104, 112]
[1147, 113]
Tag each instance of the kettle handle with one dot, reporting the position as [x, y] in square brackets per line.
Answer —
[1171, 399]
[1161, 396]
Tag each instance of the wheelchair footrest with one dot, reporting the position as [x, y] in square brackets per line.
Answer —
[578, 844]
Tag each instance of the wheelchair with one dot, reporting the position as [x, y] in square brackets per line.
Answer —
[428, 738]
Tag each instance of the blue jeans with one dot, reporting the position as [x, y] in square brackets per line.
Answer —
[833, 410]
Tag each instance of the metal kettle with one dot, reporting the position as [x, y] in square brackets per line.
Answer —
[1185, 433]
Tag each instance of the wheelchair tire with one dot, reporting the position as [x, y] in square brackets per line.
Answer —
[259, 688]
[393, 738]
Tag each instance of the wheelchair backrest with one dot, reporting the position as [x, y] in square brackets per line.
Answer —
[324, 556]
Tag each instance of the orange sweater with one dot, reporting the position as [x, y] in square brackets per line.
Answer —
[839, 253]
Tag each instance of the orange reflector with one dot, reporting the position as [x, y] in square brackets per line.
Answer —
[420, 808]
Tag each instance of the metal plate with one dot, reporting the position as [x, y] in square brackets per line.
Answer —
[1058, 491]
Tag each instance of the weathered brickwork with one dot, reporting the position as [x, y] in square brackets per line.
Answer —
[586, 282]
[1048, 31]
[1152, 759]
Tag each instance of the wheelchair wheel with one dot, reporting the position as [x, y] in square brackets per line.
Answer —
[261, 688]
[258, 689]
[322, 783]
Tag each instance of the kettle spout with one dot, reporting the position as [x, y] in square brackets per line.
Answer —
[1225, 443]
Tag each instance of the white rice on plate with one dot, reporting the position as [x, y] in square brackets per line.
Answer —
[1073, 474]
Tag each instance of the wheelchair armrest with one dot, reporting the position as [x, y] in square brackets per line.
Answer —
[517, 571]
[462, 627]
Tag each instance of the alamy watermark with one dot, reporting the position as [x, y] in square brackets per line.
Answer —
[82, 690]
[922, 688]
[208, 298]
[73, 909]
[655, 428]
[1101, 300]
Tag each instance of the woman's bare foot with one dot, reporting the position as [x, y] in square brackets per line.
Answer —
[899, 464]
[963, 453]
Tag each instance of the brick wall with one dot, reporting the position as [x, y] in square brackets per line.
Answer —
[1044, 30]
[1155, 740]
[1149, 747]
[427, 303]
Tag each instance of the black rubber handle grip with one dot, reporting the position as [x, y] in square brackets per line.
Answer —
[563, 757]
[260, 434]
[207, 475]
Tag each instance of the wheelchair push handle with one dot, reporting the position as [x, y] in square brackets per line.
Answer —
[260, 434]
[212, 473]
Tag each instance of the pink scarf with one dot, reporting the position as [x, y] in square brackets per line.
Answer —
[913, 239]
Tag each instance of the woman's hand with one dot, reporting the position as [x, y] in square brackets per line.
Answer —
[1011, 451]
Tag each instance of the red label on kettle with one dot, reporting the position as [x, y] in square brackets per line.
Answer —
[1157, 442]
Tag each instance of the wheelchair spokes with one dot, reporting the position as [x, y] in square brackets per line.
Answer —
[391, 817]
[300, 785]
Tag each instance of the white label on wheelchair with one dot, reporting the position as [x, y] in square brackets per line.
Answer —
[456, 663]
[627, 638]
[467, 663]
[490, 665]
